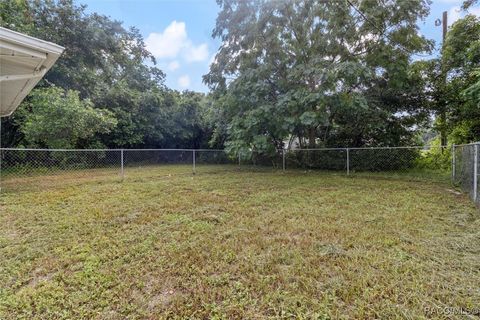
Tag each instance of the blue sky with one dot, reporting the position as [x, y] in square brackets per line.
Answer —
[178, 32]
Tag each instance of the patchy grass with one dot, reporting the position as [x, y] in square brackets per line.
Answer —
[236, 245]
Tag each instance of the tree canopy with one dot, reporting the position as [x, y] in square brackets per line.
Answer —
[461, 63]
[54, 118]
[323, 73]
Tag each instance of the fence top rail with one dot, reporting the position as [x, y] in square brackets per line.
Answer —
[221, 150]
[366, 148]
[103, 150]
[467, 144]
[190, 150]
[315, 149]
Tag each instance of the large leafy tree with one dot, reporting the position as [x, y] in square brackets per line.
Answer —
[320, 72]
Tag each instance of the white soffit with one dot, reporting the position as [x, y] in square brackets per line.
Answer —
[24, 60]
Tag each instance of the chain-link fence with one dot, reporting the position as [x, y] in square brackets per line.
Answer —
[23, 168]
[465, 169]
[42, 168]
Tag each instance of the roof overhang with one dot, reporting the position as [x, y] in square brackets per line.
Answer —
[24, 60]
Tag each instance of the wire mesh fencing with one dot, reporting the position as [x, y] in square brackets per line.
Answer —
[37, 167]
[420, 162]
[154, 162]
[465, 169]
[36, 161]
[211, 161]
[316, 159]
[42, 168]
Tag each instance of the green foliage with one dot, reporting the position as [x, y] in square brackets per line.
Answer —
[108, 65]
[472, 92]
[55, 118]
[461, 63]
[435, 158]
[317, 72]
[468, 3]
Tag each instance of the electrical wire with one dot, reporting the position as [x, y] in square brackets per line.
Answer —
[382, 31]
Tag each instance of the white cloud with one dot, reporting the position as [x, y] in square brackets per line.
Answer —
[184, 81]
[456, 13]
[174, 41]
[196, 53]
[174, 65]
[450, 1]
[168, 43]
[475, 11]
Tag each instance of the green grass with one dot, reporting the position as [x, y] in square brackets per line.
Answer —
[235, 244]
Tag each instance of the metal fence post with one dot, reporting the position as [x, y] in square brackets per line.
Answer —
[475, 173]
[1, 154]
[283, 160]
[348, 161]
[122, 171]
[453, 163]
[193, 161]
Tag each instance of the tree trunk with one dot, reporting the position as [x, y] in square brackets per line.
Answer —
[311, 138]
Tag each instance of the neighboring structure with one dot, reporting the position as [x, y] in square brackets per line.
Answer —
[24, 60]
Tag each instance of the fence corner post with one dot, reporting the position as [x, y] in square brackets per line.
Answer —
[453, 163]
[283, 159]
[475, 173]
[194, 169]
[348, 161]
[122, 171]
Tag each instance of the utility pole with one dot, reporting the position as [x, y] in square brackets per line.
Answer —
[443, 110]
[444, 23]
[443, 135]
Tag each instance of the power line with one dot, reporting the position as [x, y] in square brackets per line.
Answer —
[382, 31]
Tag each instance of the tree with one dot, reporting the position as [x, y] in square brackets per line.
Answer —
[461, 62]
[468, 3]
[55, 118]
[190, 126]
[323, 73]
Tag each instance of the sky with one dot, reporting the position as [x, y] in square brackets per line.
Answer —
[178, 32]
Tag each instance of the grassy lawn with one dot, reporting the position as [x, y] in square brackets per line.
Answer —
[236, 244]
